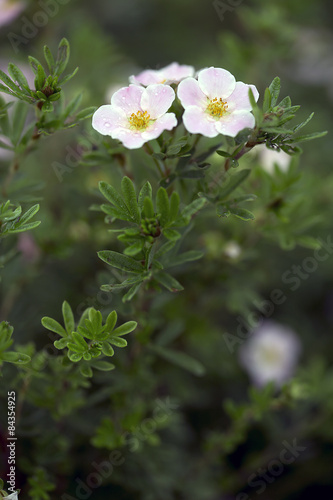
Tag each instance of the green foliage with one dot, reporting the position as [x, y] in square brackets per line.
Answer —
[17, 358]
[91, 339]
[40, 485]
[11, 220]
[153, 234]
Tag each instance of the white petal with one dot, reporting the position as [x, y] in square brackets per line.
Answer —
[232, 124]
[157, 99]
[108, 118]
[128, 99]
[216, 82]
[196, 121]
[239, 99]
[190, 94]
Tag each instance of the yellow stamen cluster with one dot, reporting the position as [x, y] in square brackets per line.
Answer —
[217, 107]
[139, 120]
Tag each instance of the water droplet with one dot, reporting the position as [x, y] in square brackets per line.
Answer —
[107, 124]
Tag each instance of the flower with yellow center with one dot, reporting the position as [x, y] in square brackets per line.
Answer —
[139, 120]
[136, 114]
[216, 104]
[217, 107]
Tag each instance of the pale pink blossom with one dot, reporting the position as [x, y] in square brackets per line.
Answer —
[173, 73]
[136, 114]
[216, 104]
[269, 158]
[9, 10]
[270, 354]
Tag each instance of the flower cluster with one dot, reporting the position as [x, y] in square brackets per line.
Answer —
[214, 103]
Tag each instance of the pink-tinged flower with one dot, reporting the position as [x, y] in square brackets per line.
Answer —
[173, 73]
[216, 104]
[136, 114]
[9, 10]
[270, 354]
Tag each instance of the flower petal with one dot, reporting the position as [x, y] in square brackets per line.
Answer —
[147, 77]
[108, 118]
[165, 122]
[216, 82]
[157, 99]
[129, 138]
[235, 122]
[128, 99]
[190, 94]
[174, 72]
[196, 121]
[239, 99]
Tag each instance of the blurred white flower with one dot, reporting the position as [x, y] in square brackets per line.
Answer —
[13, 496]
[232, 249]
[268, 158]
[9, 10]
[270, 354]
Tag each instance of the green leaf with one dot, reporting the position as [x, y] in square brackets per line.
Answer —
[111, 321]
[102, 365]
[74, 356]
[85, 113]
[112, 195]
[309, 137]
[120, 261]
[301, 125]
[17, 358]
[234, 181]
[62, 57]
[146, 190]
[79, 340]
[131, 292]
[68, 77]
[118, 341]
[162, 205]
[72, 106]
[125, 328]
[134, 249]
[86, 371]
[193, 207]
[180, 359]
[267, 101]
[107, 350]
[19, 77]
[168, 281]
[148, 208]
[274, 89]
[68, 317]
[61, 343]
[19, 118]
[171, 234]
[49, 59]
[242, 213]
[174, 206]
[129, 195]
[5, 78]
[53, 325]
[189, 256]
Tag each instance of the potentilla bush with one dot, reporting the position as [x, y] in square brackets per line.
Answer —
[197, 133]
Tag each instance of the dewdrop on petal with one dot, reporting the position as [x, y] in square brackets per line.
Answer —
[270, 354]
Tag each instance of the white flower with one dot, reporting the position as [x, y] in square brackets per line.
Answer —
[13, 496]
[216, 104]
[270, 354]
[9, 10]
[136, 114]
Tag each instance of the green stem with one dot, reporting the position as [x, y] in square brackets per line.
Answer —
[149, 150]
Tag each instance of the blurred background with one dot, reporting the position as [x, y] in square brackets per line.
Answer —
[206, 449]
